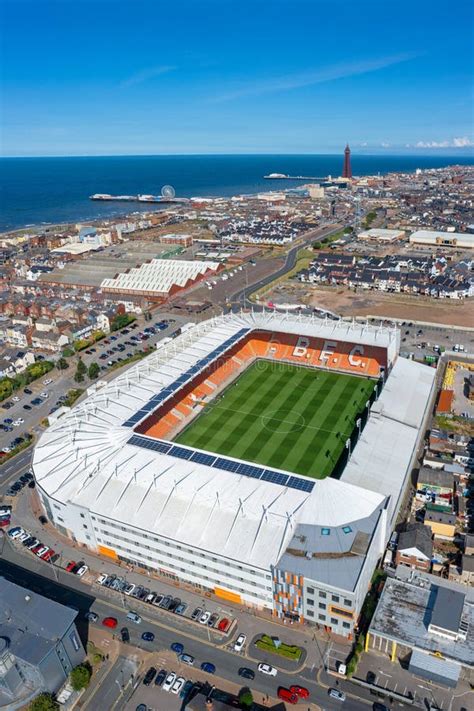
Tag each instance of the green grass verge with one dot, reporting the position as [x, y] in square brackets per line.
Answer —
[284, 416]
[266, 644]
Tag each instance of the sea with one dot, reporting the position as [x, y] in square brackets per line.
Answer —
[41, 191]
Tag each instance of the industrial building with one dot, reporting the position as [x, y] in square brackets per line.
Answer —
[429, 620]
[459, 240]
[109, 476]
[381, 235]
[39, 644]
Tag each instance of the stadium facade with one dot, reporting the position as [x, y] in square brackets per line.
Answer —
[110, 478]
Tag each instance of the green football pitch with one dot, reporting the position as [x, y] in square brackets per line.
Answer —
[282, 416]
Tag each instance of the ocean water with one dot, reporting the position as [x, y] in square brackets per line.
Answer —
[53, 190]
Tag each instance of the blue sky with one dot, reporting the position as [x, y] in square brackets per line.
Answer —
[100, 77]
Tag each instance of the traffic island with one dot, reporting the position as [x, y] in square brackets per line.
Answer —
[286, 656]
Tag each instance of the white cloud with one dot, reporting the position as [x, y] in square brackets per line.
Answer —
[384, 144]
[296, 81]
[463, 142]
[145, 75]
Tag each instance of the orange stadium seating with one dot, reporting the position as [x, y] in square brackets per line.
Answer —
[315, 352]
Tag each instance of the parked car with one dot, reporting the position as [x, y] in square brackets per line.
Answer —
[204, 619]
[110, 622]
[223, 625]
[178, 685]
[208, 667]
[186, 689]
[125, 634]
[336, 694]
[42, 551]
[169, 681]
[186, 659]
[213, 619]
[160, 677]
[101, 579]
[181, 609]
[82, 570]
[267, 669]
[149, 676]
[240, 642]
[196, 613]
[247, 673]
[91, 616]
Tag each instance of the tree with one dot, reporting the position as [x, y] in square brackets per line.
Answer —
[81, 367]
[245, 698]
[78, 377]
[80, 677]
[62, 364]
[44, 702]
[93, 371]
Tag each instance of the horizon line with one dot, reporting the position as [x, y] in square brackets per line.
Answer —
[421, 152]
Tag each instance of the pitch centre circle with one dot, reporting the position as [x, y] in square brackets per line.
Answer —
[282, 421]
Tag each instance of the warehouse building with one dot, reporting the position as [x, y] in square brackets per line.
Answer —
[381, 235]
[459, 240]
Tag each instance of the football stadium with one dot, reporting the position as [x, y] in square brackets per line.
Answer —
[260, 456]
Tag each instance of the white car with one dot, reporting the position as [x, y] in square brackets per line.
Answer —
[102, 578]
[82, 570]
[178, 685]
[204, 617]
[6, 450]
[16, 423]
[267, 669]
[16, 398]
[169, 681]
[20, 420]
[239, 642]
[42, 551]
[48, 381]
[44, 395]
[15, 533]
[130, 589]
[134, 617]
[23, 536]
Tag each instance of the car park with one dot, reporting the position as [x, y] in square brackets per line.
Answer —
[267, 669]
[169, 681]
[208, 667]
[336, 694]
[186, 659]
[247, 673]
[160, 677]
[178, 685]
[149, 676]
[240, 642]
[91, 616]
[110, 622]
[125, 635]
[148, 636]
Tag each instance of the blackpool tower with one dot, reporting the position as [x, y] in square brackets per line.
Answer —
[347, 170]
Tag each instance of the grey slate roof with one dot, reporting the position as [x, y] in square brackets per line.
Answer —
[417, 536]
[447, 608]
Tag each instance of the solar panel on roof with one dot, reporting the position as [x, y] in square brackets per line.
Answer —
[202, 458]
[227, 464]
[251, 471]
[180, 452]
[274, 477]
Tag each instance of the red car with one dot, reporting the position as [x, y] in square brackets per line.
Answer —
[4, 522]
[70, 565]
[287, 695]
[223, 625]
[37, 548]
[300, 691]
[109, 622]
[48, 555]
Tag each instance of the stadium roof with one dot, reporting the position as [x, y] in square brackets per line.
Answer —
[86, 458]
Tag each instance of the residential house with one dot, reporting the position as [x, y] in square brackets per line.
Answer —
[441, 522]
[415, 547]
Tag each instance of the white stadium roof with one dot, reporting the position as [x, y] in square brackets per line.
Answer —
[86, 459]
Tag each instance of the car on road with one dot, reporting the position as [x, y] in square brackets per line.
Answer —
[186, 659]
[377, 706]
[336, 694]
[208, 667]
[267, 669]
[240, 642]
[197, 612]
[178, 685]
[148, 636]
[204, 619]
[160, 677]
[300, 691]
[91, 616]
[110, 622]
[169, 681]
[134, 617]
[247, 673]
[125, 634]
[286, 695]
[177, 647]
[149, 676]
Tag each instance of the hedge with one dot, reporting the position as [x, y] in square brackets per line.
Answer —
[289, 651]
